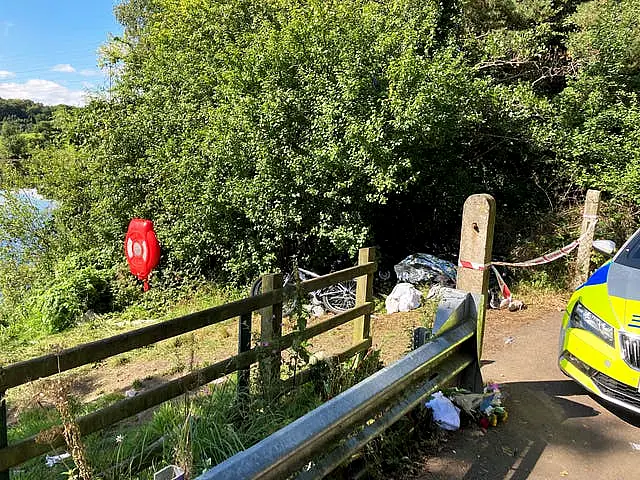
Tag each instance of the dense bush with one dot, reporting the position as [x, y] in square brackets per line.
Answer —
[74, 291]
[251, 132]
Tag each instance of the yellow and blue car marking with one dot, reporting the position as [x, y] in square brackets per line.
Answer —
[600, 334]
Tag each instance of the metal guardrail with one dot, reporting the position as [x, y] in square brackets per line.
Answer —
[346, 423]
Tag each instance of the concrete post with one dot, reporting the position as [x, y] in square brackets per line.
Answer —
[589, 219]
[476, 244]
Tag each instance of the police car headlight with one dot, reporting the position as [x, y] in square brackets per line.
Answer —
[582, 318]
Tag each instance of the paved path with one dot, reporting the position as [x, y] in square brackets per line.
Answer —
[555, 430]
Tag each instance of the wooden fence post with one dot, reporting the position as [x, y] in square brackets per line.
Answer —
[364, 294]
[476, 245]
[4, 475]
[589, 219]
[244, 345]
[270, 333]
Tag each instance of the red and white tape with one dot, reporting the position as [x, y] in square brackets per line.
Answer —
[473, 265]
[546, 258]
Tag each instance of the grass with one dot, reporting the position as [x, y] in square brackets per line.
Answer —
[23, 341]
[199, 430]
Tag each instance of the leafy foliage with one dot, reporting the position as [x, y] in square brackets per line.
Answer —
[253, 133]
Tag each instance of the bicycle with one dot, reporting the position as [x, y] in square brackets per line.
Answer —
[336, 298]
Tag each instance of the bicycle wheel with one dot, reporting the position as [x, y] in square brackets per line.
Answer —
[288, 306]
[340, 297]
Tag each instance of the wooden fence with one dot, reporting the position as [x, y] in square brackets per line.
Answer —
[267, 353]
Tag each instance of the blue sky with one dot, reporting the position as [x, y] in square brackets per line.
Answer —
[48, 48]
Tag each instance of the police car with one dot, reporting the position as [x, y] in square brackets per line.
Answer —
[600, 335]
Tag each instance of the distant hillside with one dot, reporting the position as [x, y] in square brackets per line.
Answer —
[24, 126]
[26, 110]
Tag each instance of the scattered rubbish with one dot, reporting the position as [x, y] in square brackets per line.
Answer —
[131, 393]
[437, 291]
[564, 473]
[317, 311]
[508, 451]
[509, 340]
[51, 460]
[635, 446]
[500, 296]
[171, 472]
[516, 305]
[445, 413]
[486, 408]
[403, 297]
[425, 268]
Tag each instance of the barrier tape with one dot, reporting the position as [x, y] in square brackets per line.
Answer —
[504, 288]
[556, 254]
[473, 265]
[546, 258]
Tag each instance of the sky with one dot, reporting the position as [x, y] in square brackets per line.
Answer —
[48, 48]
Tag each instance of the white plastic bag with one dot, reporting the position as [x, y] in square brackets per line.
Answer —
[445, 413]
[403, 297]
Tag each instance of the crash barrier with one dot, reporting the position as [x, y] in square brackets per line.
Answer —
[314, 445]
[267, 354]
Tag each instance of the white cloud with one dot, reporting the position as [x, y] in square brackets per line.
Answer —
[43, 91]
[6, 74]
[64, 68]
[89, 73]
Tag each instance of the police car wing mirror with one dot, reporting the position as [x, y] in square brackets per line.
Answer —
[608, 247]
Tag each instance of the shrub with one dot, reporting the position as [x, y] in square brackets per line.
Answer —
[73, 291]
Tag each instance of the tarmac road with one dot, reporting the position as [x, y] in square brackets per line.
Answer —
[555, 429]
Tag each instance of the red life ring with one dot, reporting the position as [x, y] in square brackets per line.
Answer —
[142, 249]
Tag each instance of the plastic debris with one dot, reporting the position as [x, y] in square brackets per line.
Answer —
[437, 291]
[170, 472]
[635, 446]
[516, 305]
[51, 460]
[131, 393]
[486, 408]
[422, 267]
[445, 413]
[403, 297]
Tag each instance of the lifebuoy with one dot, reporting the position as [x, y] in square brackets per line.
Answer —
[142, 249]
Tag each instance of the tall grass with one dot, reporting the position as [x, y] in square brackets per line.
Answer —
[199, 430]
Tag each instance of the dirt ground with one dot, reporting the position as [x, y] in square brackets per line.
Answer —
[555, 429]
[148, 367]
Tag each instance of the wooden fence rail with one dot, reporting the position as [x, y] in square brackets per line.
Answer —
[272, 344]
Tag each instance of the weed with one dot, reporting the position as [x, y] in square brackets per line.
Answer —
[59, 393]
[137, 384]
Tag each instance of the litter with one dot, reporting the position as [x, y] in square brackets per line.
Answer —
[170, 472]
[422, 267]
[131, 393]
[425, 268]
[516, 305]
[486, 408]
[51, 460]
[635, 446]
[403, 298]
[445, 413]
[509, 340]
